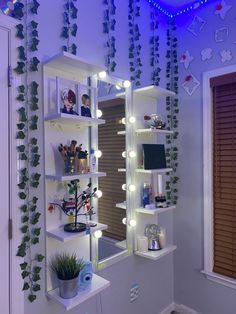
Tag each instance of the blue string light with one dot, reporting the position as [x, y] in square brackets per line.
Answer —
[181, 11]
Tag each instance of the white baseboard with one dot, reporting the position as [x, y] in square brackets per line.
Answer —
[180, 308]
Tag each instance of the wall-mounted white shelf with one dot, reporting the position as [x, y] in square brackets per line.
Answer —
[80, 176]
[121, 170]
[153, 131]
[70, 119]
[154, 210]
[70, 63]
[153, 92]
[121, 205]
[154, 171]
[155, 255]
[121, 133]
[122, 245]
[60, 235]
[98, 284]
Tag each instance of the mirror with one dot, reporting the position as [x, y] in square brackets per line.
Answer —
[112, 142]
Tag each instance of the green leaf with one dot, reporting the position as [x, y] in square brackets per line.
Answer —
[25, 219]
[20, 69]
[35, 184]
[22, 195]
[36, 287]
[25, 274]
[35, 218]
[34, 64]
[37, 231]
[39, 257]
[23, 266]
[21, 51]
[33, 208]
[26, 239]
[22, 185]
[36, 176]
[34, 88]
[34, 24]
[36, 277]
[24, 208]
[20, 31]
[26, 286]
[33, 141]
[21, 97]
[24, 229]
[34, 200]
[35, 241]
[37, 269]
[23, 156]
[32, 298]
[35, 6]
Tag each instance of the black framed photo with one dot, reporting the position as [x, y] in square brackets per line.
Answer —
[154, 156]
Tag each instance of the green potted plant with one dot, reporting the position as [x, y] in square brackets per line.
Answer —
[67, 268]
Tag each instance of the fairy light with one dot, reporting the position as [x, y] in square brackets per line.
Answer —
[118, 87]
[98, 153]
[132, 154]
[123, 120]
[98, 194]
[99, 113]
[132, 223]
[132, 187]
[132, 119]
[126, 84]
[123, 187]
[124, 154]
[102, 74]
[124, 221]
[98, 234]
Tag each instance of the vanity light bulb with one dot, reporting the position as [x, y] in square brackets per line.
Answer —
[98, 234]
[123, 120]
[99, 113]
[132, 223]
[102, 74]
[118, 87]
[124, 221]
[124, 154]
[132, 154]
[132, 187]
[126, 84]
[132, 119]
[98, 153]
[99, 194]
[123, 187]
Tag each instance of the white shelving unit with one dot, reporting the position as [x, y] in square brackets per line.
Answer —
[77, 121]
[121, 205]
[121, 170]
[153, 92]
[155, 255]
[154, 211]
[61, 177]
[153, 131]
[60, 235]
[98, 285]
[154, 171]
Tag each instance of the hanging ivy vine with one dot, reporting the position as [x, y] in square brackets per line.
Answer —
[172, 107]
[135, 64]
[70, 28]
[109, 25]
[154, 47]
[28, 149]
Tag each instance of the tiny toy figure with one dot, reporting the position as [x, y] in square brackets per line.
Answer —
[85, 108]
[154, 121]
[69, 100]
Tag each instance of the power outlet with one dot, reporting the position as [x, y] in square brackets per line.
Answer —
[134, 292]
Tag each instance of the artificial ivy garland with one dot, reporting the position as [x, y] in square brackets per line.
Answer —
[28, 149]
[135, 47]
[69, 29]
[154, 47]
[109, 24]
[172, 107]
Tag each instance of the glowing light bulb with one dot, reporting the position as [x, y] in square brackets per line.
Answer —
[126, 84]
[98, 234]
[132, 187]
[99, 113]
[132, 119]
[124, 154]
[98, 194]
[132, 223]
[102, 74]
[123, 187]
[123, 121]
[98, 153]
[124, 220]
[118, 87]
[132, 154]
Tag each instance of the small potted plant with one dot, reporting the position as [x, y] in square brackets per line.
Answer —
[67, 268]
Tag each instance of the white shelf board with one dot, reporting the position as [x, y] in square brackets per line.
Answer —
[71, 119]
[121, 95]
[121, 205]
[121, 133]
[122, 245]
[121, 170]
[153, 131]
[153, 91]
[98, 284]
[60, 235]
[154, 171]
[155, 255]
[80, 176]
[154, 210]
[70, 63]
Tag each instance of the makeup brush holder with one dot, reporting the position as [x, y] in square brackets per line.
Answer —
[70, 165]
[82, 165]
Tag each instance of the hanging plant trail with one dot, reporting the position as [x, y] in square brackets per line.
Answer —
[135, 47]
[28, 149]
[154, 47]
[172, 107]
[109, 24]
[69, 29]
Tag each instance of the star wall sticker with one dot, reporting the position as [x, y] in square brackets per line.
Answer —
[196, 25]
[206, 54]
[186, 59]
[222, 9]
[226, 55]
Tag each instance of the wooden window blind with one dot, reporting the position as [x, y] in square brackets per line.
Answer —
[112, 147]
[224, 174]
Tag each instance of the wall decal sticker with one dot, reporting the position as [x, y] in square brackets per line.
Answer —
[222, 9]
[206, 54]
[190, 84]
[186, 59]
[221, 34]
[196, 25]
[226, 55]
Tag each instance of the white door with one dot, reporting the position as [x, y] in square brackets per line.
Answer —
[4, 172]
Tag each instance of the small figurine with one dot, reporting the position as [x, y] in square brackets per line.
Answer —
[69, 100]
[154, 121]
[85, 108]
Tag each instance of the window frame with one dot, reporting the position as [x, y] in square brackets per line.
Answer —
[208, 178]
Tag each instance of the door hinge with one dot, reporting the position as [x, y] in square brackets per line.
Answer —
[10, 77]
[10, 229]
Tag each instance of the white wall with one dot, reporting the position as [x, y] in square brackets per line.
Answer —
[191, 287]
[155, 278]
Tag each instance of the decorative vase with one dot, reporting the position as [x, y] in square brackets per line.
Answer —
[68, 288]
[82, 165]
[70, 165]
